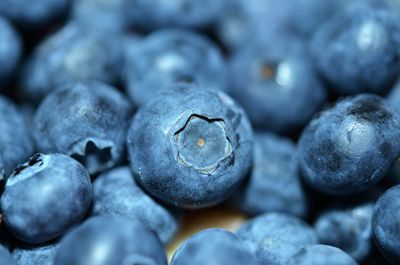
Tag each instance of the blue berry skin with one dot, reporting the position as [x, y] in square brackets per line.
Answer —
[33, 14]
[308, 15]
[59, 193]
[274, 182]
[110, 240]
[350, 147]
[130, 42]
[232, 25]
[320, 254]
[169, 56]
[394, 98]
[274, 237]
[86, 120]
[71, 54]
[190, 147]
[10, 50]
[116, 192]
[385, 224]
[243, 21]
[40, 255]
[16, 144]
[5, 257]
[348, 229]
[362, 44]
[218, 245]
[395, 4]
[271, 76]
[152, 14]
[113, 16]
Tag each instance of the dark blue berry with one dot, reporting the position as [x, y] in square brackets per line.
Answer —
[357, 50]
[386, 224]
[45, 197]
[350, 147]
[274, 237]
[274, 182]
[116, 192]
[110, 240]
[269, 77]
[216, 245]
[348, 229]
[169, 56]
[71, 54]
[190, 146]
[86, 120]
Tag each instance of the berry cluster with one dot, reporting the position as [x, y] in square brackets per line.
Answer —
[118, 118]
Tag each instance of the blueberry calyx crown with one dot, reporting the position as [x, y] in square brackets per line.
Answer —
[93, 153]
[202, 143]
[34, 160]
[24, 171]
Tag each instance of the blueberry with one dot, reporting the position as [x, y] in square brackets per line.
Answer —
[5, 257]
[218, 245]
[320, 254]
[110, 240]
[350, 147]
[170, 56]
[116, 192]
[348, 229]
[71, 54]
[308, 15]
[232, 25]
[243, 21]
[151, 14]
[45, 197]
[16, 144]
[86, 120]
[274, 182]
[274, 237]
[38, 255]
[190, 147]
[268, 77]
[114, 16]
[10, 50]
[385, 224]
[33, 14]
[130, 42]
[357, 50]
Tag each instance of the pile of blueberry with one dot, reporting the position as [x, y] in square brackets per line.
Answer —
[118, 116]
